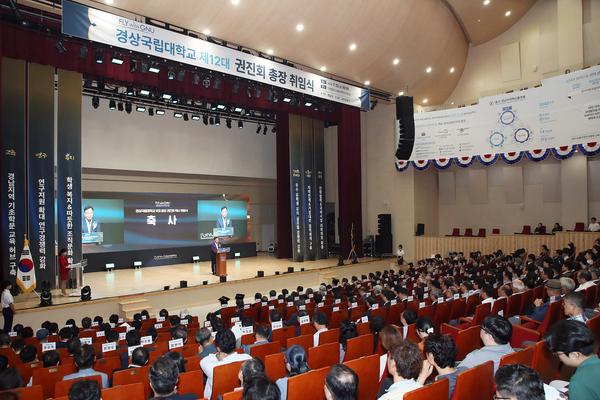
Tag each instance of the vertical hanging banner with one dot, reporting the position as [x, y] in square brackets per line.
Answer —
[298, 242]
[40, 117]
[308, 188]
[319, 189]
[68, 164]
[12, 189]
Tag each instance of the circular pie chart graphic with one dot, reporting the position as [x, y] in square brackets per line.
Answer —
[507, 117]
[522, 135]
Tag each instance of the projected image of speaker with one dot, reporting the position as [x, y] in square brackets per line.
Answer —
[406, 127]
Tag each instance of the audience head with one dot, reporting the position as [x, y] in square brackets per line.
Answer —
[42, 334]
[260, 388]
[275, 315]
[132, 338]
[572, 341]
[51, 358]
[225, 341]
[250, 369]
[4, 340]
[574, 303]
[295, 360]
[347, 331]
[584, 276]
[440, 350]
[28, 354]
[408, 316]
[3, 362]
[85, 390]
[495, 330]
[518, 382]
[178, 358]
[341, 383]
[319, 320]
[424, 327]
[164, 375]
[65, 333]
[73, 346]
[567, 285]
[140, 356]
[262, 332]
[405, 361]
[179, 332]
[113, 319]
[10, 378]
[85, 357]
[389, 337]
[17, 345]
[86, 323]
[203, 336]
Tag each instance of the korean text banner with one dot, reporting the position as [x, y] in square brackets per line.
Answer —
[564, 111]
[99, 26]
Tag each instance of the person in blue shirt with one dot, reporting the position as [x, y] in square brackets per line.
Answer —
[84, 360]
[553, 287]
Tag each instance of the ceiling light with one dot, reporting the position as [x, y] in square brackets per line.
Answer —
[367, 83]
[238, 109]
[145, 92]
[195, 117]
[451, 70]
[352, 46]
[270, 52]
[486, 2]
[221, 106]
[109, 2]
[206, 32]
[428, 70]
[425, 101]
[323, 68]
[452, 103]
[396, 61]
[133, 66]
[300, 27]
[154, 68]
[140, 109]
[287, 99]
[507, 14]
[235, 2]
[116, 59]
[177, 114]
[160, 112]
[401, 93]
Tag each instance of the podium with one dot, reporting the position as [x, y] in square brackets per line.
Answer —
[76, 276]
[222, 261]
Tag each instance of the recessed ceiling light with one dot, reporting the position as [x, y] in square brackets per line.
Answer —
[323, 68]
[452, 103]
[206, 32]
[478, 19]
[367, 83]
[486, 2]
[428, 70]
[300, 27]
[109, 1]
[401, 93]
[270, 52]
[507, 14]
[396, 61]
[425, 101]
[235, 2]
[451, 70]
[352, 46]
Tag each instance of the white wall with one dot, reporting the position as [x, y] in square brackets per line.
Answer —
[138, 142]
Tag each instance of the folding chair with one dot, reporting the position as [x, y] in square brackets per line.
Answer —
[34, 392]
[367, 369]
[324, 355]
[133, 375]
[357, 347]
[225, 378]
[435, 391]
[261, 350]
[304, 341]
[275, 366]
[476, 383]
[307, 385]
[191, 382]
[47, 377]
[62, 388]
[329, 336]
[134, 391]
[524, 357]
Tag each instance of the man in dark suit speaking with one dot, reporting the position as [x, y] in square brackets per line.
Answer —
[214, 250]
[223, 221]
[89, 224]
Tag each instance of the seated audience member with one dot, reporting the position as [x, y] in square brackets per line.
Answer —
[42, 335]
[50, 358]
[553, 288]
[518, 286]
[567, 285]
[179, 332]
[440, 352]
[504, 291]
[347, 331]
[408, 317]
[250, 369]
[3, 363]
[573, 306]
[73, 346]
[518, 382]
[495, 334]
[4, 340]
[260, 388]
[557, 228]
[341, 383]
[261, 336]
[178, 358]
[164, 375]
[594, 226]
[225, 343]
[487, 295]
[10, 378]
[573, 343]
[86, 324]
[295, 364]
[28, 355]
[85, 390]
[319, 321]
[540, 229]
[139, 358]
[404, 365]
[84, 360]
[64, 335]
[390, 338]
[584, 278]
[376, 324]
[424, 327]
[205, 342]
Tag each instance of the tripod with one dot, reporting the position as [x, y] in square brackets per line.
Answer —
[352, 253]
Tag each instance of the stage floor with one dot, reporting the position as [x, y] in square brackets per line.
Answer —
[129, 281]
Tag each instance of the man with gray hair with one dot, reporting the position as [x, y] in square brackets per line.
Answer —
[567, 285]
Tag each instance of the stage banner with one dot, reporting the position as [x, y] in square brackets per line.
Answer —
[40, 153]
[103, 27]
[308, 189]
[296, 188]
[68, 164]
[563, 111]
[13, 203]
[319, 189]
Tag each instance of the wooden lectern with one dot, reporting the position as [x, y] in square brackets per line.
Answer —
[222, 261]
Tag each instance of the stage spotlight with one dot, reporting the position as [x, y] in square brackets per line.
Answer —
[265, 130]
[228, 123]
[236, 87]
[206, 82]
[117, 59]
[195, 79]
[258, 129]
[181, 75]
[128, 107]
[83, 52]
[186, 117]
[240, 124]
[170, 74]
[86, 293]
[217, 84]
[45, 298]
[151, 112]
[160, 111]
[217, 121]
[120, 106]
[140, 109]
[205, 119]
[177, 114]
[60, 47]
[133, 65]
[130, 91]
[211, 120]
[112, 104]
[195, 117]
[95, 101]
[99, 56]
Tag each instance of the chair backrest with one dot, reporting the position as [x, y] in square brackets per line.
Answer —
[280, 335]
[235, 395]
[363, 328]
[261, 350]
[275, 366]
[304, 341]
[495, 231]
[472, 302]
[393, 316]
[307, 385]
[435, 391]
[359, 347]
[499, 307]
[526, 301]
[108, 365]
[34, 392]
[522, 334]
[594, 325]
[590, 296]
[133, 375]
[426, 311]
[544, 362]
[467, 340]
[329, 336]
[459, 308]
[62, 387]
[367, 369]
[579, 227]
[225, 378]
[469, 232]
[513, 306]
[47, 377]
[526, 230]
[26, 370]
[442, 313]
[455, 232]
[553, 314]
[191, 382]
[481, 311]
[324, 355]
[192, 363]
[524, 357]
[133, 391]
[481, 232]
[476, 383]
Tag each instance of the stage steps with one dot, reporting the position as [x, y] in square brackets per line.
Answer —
[128, 306]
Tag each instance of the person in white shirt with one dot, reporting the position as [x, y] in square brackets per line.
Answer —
[8, 306]
[585, 280]
[225, 342]
[405, 363]
[400, 255]
[320, 324]
[487, 295]
[594, 226]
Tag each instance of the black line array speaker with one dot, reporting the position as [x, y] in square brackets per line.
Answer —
[420, 230]
[383, 240]
[406, 127]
